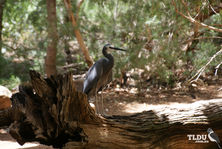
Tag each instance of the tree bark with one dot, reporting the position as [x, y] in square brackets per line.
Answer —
[50, 60]
[77, 33]
[2, 5]
[52, 112]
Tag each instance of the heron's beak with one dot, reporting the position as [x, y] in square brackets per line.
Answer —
[117, 48]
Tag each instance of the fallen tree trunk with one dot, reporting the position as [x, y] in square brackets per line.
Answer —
[52, 112]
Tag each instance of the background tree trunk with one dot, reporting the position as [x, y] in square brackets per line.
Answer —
[78, 35]
[50, 60]
[2, 4]
[52, 112]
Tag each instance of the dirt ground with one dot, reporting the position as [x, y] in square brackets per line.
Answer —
[125, 101]
[128, 101]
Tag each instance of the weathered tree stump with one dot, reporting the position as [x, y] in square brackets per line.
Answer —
[52, 112]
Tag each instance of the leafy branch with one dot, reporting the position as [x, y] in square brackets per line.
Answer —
[192, 20]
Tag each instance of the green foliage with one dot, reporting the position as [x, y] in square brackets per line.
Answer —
[123, 23]
[11, 82]
[12, 72]
[205, 51]
[24, 31]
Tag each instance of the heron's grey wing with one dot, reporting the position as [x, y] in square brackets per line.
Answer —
[215, 137]
[92, 77]
[86, 75]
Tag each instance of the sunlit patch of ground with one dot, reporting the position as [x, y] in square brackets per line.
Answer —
[128, 101]
[15, 145]
[135, 107]
[7, 142]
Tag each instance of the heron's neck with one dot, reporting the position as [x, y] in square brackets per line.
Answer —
[109, 56]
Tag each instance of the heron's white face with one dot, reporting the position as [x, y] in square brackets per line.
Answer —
[109, 50]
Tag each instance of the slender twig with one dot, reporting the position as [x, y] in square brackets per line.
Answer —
[10, 47]
[70, 66]
[201, 38]
[201, 70]
[200, 11]
[216, 68]
[192, 20]
[211, 7]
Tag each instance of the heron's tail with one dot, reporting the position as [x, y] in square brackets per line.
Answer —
[219, 145]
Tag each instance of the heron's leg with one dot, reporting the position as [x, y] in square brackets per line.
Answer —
[100, 103]
[102, 110]
[101, 96]
[97, 106]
